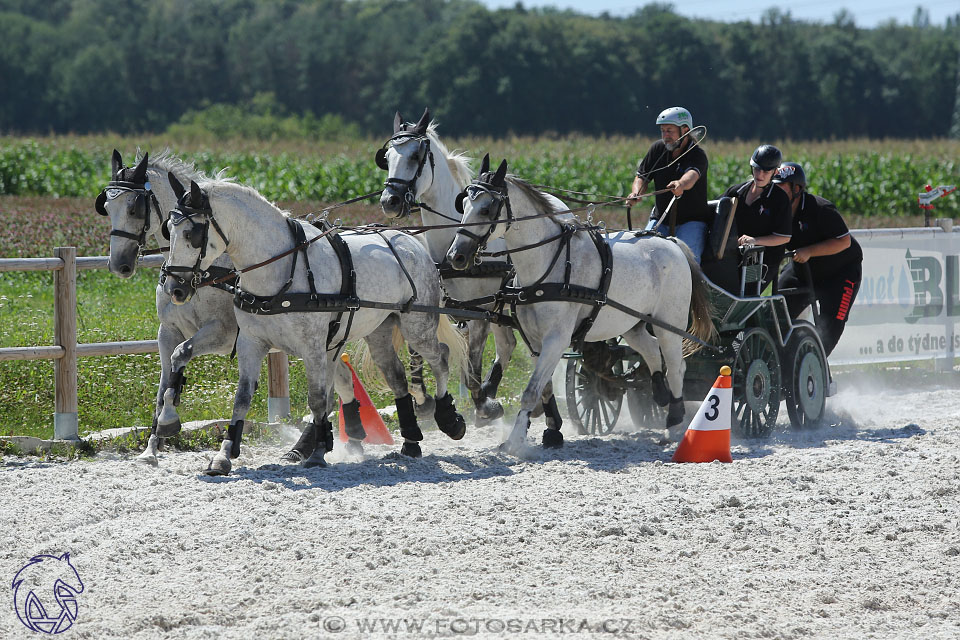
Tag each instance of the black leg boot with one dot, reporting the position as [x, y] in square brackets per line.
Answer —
[552, 438]
[448, 420]
[409, 428]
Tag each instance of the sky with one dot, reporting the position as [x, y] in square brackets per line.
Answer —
[866, 13]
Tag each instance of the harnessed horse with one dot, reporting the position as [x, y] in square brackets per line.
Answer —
[137, 200]
[422, 173]
[621, 284]
[308, 301]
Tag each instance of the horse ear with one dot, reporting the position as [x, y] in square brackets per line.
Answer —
[116, 164]
[421, 126]
[175, 185]
[484, 165]
[140, 173]
[397, 122]
[196, 195]
[500, 174]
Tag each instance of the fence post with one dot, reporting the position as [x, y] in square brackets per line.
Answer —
[65, 335]
[278, 398]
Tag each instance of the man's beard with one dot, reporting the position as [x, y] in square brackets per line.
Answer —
[671, 145]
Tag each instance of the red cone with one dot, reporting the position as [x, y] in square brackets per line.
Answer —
[708, 436]
[377, 432]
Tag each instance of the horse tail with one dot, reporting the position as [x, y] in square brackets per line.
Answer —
[701, 308]
[448, 334]
[367, 370]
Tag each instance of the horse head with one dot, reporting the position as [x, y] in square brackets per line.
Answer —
[404, 157]
[128, 201]
[481, 204]
[188, 230]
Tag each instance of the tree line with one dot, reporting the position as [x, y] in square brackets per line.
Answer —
[87, 66]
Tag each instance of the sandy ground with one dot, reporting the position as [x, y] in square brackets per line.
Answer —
[849, 531]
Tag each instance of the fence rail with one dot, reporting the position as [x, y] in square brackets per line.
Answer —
[65, 264]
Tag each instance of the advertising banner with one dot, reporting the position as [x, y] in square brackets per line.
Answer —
[908, 307]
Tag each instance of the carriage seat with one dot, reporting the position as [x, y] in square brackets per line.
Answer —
[737, 270]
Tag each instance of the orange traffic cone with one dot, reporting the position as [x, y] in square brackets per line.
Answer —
[708, 436]
[377, 432]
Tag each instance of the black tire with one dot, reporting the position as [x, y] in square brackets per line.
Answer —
[806, 379]
[587, 407]
[756, 384]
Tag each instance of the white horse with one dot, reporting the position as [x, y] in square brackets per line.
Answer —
[137, 201]
[648, 274]
[297, 295]
[420, 170]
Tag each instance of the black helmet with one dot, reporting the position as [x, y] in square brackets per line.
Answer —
[790, 172]
[766, 157]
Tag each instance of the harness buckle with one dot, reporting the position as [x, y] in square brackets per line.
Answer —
[265, 307]
[352, 303]
[521, 296]
[600, 299]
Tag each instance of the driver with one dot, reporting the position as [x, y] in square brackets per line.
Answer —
[676, 163]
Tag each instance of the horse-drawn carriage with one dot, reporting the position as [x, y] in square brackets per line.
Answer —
[772, 359]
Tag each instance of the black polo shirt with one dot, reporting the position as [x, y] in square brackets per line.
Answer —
[767, 215]
[816, 220]
[692, 205]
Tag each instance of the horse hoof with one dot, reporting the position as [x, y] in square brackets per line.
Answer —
[425, 410]
[509, 448]
[489, 410]
[315, 460]
[292, 457]
[457, 430]
[411, 449]
[675, 412]
[148, 459]
[168, 429]
[552, 439]
[219, 466]
[354, 447]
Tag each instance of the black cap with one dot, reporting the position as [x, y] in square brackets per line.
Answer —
[766, 157]
[791, 172]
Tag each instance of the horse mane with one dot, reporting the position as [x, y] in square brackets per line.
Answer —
[458, 162]
[183, 170]
[536, 196]
[226, 187]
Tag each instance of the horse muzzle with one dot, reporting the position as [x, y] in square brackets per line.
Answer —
[180, 292]
[462, 252]
[393, 205]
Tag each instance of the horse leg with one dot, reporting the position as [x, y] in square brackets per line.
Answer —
[671, 346]
[209, 339]
[250, 355]
[552, 436]
[551, 351]
[644, 343]
[350, 406]
[487, 411]
[319, 399]
[168, 337]
[423, 401]
[385, 357]
[420, 331]
[506, 341]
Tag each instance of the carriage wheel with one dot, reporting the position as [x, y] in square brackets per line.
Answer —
[756, 384]
[592, 411]
[643, 410]
[806, 379]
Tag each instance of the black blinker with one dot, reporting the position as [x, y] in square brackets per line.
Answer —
[101, 200]
[458, 202]
[381, 158]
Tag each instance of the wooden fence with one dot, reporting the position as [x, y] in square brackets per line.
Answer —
[65, 349]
